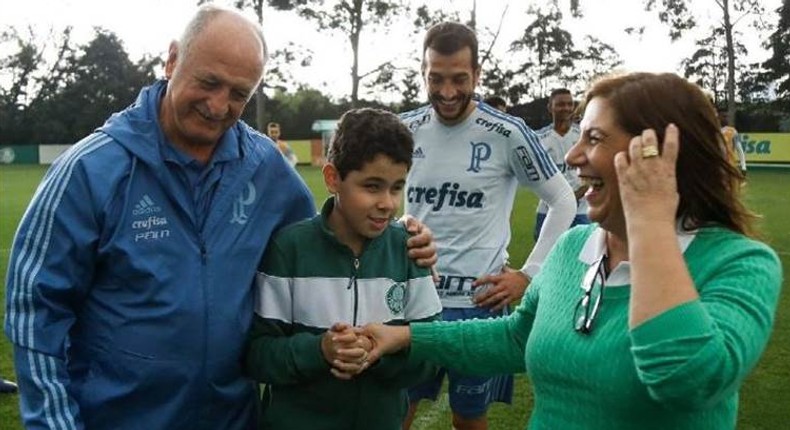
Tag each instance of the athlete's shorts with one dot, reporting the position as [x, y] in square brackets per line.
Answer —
[469, 395]
[540, 218]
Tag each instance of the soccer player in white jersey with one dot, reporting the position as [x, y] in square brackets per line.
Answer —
[468, 160]
[557, 138]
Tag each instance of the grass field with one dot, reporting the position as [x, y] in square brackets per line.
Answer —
[765, 398]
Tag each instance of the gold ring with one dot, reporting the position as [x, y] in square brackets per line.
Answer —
[649, 151]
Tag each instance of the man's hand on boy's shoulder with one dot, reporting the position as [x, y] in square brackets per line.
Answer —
[422, 248]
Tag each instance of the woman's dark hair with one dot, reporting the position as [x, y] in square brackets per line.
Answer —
[708, 184]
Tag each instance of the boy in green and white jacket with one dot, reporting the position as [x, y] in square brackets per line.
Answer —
[346, 267]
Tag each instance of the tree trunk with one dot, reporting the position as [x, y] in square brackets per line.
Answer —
[730, 63]
[356, 29]
[260, 97]
[260, 109]
[473, 18]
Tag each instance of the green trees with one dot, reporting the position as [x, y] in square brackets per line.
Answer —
[548, 57]
[350, 18]
[59, 93]
[778, 65]
[53, 90]
[678, 15]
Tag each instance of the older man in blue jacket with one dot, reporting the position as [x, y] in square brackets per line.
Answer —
[129, 285]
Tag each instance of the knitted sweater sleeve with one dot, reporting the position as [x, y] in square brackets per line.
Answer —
[478, 347]
[698, 353]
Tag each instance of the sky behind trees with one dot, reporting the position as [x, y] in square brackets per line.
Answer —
[146, 26]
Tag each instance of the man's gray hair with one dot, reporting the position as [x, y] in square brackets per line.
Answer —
[204, 16]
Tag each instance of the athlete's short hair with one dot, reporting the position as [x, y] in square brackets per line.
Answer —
[362, 134]
[447, 38]
[557, 91]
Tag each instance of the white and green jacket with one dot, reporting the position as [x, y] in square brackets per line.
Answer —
[308, 281]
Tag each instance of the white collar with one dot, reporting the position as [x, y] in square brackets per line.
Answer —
[595, 247]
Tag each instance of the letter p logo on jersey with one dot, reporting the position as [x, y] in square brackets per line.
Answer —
[481, 151]
[241, 203]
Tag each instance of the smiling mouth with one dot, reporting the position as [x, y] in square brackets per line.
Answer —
[447, 103]
[379, 223]
[593, 183]
[207, 117]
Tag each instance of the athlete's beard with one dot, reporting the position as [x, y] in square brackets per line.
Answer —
[435, 99]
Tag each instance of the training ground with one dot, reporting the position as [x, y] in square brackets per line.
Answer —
[765, 397]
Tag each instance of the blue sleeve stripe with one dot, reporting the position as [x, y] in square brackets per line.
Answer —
[27, 263]
[543, 161]
[405, 116]
[54, 393]
[47, 407]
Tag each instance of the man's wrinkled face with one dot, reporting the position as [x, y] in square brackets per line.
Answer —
[211, 83]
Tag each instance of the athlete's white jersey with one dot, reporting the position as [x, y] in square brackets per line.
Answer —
[557, 146]
[462, 184]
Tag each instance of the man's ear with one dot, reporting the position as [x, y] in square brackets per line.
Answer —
[172, 57]
[331, 178]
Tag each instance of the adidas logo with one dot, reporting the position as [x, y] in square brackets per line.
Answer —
[146, 206]
[418, 153]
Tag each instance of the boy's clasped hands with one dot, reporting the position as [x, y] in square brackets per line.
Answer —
[346, 349]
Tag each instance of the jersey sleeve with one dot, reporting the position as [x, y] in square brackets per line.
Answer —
[528, 159]
[561, 202]
[51, 266]
[277, 353]
[535, 169]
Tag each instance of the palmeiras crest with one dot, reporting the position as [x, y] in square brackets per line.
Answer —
[397, 296]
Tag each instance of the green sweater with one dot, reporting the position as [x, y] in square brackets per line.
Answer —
[308, 281]
[679, 370]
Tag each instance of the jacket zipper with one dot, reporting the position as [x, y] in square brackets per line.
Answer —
[353, 281]
[204, 287]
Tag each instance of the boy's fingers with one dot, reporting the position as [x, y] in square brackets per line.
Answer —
[347, 367]
[346, 337]
[352, 354]
[340, 375]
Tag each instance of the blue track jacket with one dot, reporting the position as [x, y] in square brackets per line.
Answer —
[128, 305]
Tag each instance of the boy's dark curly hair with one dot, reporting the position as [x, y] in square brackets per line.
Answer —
[364, 133]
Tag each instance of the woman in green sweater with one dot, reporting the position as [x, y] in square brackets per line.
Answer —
[653, 316]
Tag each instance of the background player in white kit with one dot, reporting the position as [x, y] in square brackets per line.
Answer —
[468, 160]
[557, 139]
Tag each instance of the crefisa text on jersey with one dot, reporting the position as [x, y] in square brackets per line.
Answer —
[150, 228]
[496, 127]
[439, 196]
